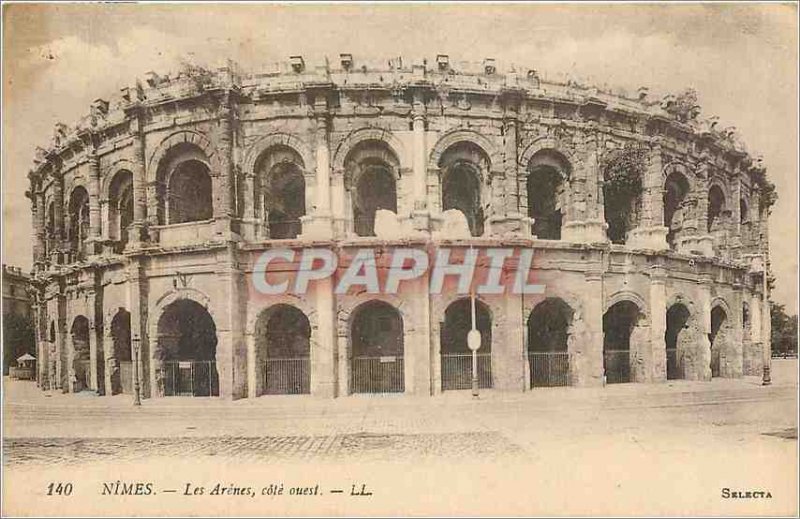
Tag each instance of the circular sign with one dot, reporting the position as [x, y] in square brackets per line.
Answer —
[474, 340]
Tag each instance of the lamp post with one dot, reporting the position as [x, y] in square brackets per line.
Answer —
[474, 342]
[136, 386]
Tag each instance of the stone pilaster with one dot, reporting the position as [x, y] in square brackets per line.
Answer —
[137, 306]
[39, 211]
[324, 352]
[231, 346]
[94, 241]
[58, 201]
[137, 230]
[658, 323]
[651, 232]
[588, 364]
[509, 355]
[420, 214]
[224, 181]
[586, 220]
[319, 225]
[702, 367]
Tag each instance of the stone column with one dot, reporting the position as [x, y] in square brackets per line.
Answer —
[509, 354]
[421, 212]
[319, 226]
[325, 345]
[658, 323]
[58, 201]
[94, 204]
[39, 212]
[137, 228]
[588, 369]
[417, 344]
[651, 232]
[231, 348]
[138, 307]
[586, 223]
[702, 368]
[756, 338]
[224, 180]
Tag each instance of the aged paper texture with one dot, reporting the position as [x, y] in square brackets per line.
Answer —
[399, 259]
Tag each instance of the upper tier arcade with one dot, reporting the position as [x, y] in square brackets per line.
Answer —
[431, 150]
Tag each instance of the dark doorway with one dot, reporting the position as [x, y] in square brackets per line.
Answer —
[618, 324]
[186, 352]
[548, 356]
[376, 334]
[283, 343]
[677, 319]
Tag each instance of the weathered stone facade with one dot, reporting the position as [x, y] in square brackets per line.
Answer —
[149, 215]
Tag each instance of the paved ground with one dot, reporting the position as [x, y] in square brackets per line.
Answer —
[667, 448]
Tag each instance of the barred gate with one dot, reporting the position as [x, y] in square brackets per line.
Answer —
[617, 364]
[549, 369]
[289, 376]
[377, 375]
[457, 371]
[189, 378]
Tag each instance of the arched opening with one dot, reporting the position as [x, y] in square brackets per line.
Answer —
[548, 332]
[622, 191]
[81, 366]
[375, 190]
[286, 202]
[120, 363]
[78, 221]
[371, 170]
[376, 339]
[281, 191]
[283, 349]
[456, 355]
[463, 166]
[548, 172]
[619, 322]
[461, 189]
[716, 206]
[717, 339]
[676, 189]
[120, 210]
[189, 193]
[675, 338]
[186, 350]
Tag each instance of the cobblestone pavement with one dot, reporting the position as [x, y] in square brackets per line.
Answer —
[266, 449]
[73, 429]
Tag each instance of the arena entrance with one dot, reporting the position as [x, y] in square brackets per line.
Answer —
[121, 377]
[456, 355]
[618, 324]
[677, 319]
[186, 351]
[81, 363]
[548, 357]
[376, 335]
[283, 349]
[717, 339]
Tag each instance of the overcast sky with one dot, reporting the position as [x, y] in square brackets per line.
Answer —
[742, 60]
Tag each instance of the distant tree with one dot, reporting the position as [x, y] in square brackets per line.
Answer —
[784, 330]
[18, 339]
